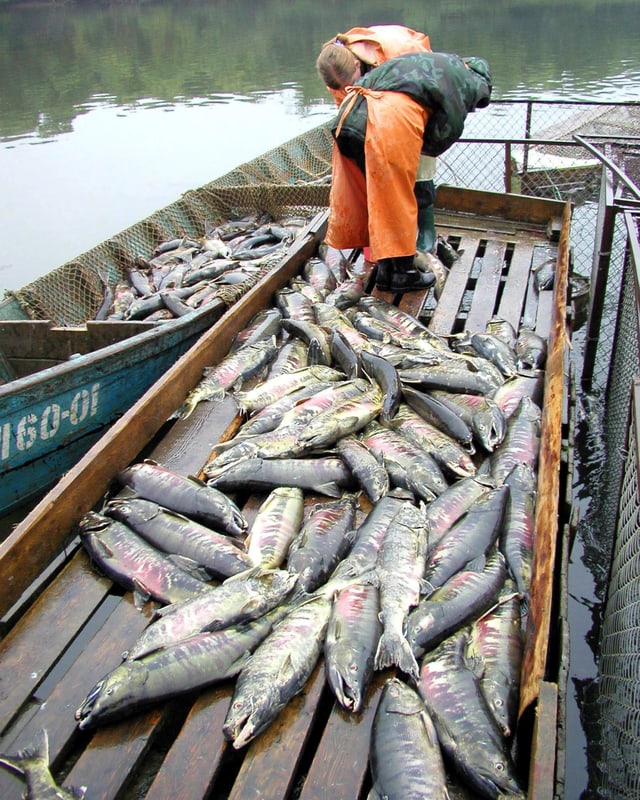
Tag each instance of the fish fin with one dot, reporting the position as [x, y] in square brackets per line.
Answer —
[141, 594]
[394, 650]
[190, 566]
[329, 488]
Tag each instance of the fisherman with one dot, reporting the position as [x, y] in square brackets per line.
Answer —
[351, 55]
[412, 104]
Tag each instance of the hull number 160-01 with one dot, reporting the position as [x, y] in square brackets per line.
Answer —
[54, 419]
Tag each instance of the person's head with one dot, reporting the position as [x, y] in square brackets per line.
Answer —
[337, 66]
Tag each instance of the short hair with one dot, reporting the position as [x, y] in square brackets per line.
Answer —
[335, 64]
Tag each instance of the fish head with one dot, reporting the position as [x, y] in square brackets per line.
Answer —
[114, 695]
[250, 713]
[346, 684]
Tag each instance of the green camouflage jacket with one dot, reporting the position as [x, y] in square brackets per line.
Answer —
[449, 86]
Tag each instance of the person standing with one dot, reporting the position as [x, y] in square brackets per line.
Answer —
[412, 104]
[351, 55]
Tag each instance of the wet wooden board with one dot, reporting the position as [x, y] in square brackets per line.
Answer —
[314, 749]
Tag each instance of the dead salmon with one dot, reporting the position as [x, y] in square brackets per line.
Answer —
[399, 572]
[351, 642]
[190, 664]
[467, 731]
[277, 670]
[184, 495]
[276, 525]
[367, 470]
[134, 564]
[231, 603]
[32, 765]
[405, 755]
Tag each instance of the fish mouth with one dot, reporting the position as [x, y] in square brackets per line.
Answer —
[84, 711]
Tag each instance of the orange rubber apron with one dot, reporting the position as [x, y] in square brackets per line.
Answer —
[379, 210]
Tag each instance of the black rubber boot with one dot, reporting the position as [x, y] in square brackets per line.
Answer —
[383, 274]
[425, 193]
[405, 277]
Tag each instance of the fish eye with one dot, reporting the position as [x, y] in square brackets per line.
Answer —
[499, 702]
[499, 765]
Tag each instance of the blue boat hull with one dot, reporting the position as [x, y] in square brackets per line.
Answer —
[50, 419]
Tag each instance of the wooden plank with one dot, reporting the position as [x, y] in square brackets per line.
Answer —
[340, 763]
[446, 311]
[195, 756]
[546, 524]
[41, 535]
[29, 651]
[543, 746]
[269, 767]
[484, 299]
[515, 288]
[498, 204]
[100, 654]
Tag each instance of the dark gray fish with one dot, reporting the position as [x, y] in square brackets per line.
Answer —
[366, 468]
[495, 350]
[174, 533]
[293, 304]
[526, 384]
[517, 537]
[263, 327]
[309, 332]
[433, 410]
[496, 648]
[326, 536]
[188, 496]
[32, 765]
[278, 669]
[399, 572]
[469, 538]
[328, 476]
[236, 601]
[350, 645]
[531, 350]
[467, 730]
[460, 600]
[386, 376]
[521, 443]
[405, 756]
[481, 414]
[455, 501]
[344, 356]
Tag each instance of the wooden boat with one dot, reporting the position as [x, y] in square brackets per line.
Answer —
[64, 376]
[64, 626]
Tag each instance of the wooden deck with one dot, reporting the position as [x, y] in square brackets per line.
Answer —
[64, 627]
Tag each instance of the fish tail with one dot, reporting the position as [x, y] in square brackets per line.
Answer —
[38, 750]
[394, 650]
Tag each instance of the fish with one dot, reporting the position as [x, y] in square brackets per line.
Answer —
[381, 371]
[399, 571]
[327, 476]
[232, 602]
[405, 756]
[451, 377]
[437, 413]
[32, 765]
[364, 466]
[320, 275]
[313, 335]
[193, 663]
[446, 252]
[231, 372]
[409, 465]
[134, 564]
[219, 554]
[350, 645]
[347, 418]
[448, 453]
[347, 293]
[495, 645]
[531, 350]
[517, 537]
[521, 443]
[468, 733]
[469, 538]
[326, 536]
[277, 670]
[461, 599]
[263, 327]
[526, 384]
[291, 356]
[497, 352]
[482, 415]
[276, 525]
[502, 329]
[344, 356]
[430, 262]
[184, 495]
[294, 304]
[453, 503]
[272, 389]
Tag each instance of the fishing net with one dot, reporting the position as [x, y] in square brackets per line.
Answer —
[291, 179]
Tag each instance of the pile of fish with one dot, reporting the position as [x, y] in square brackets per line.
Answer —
[184, 274]
[398, 470]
